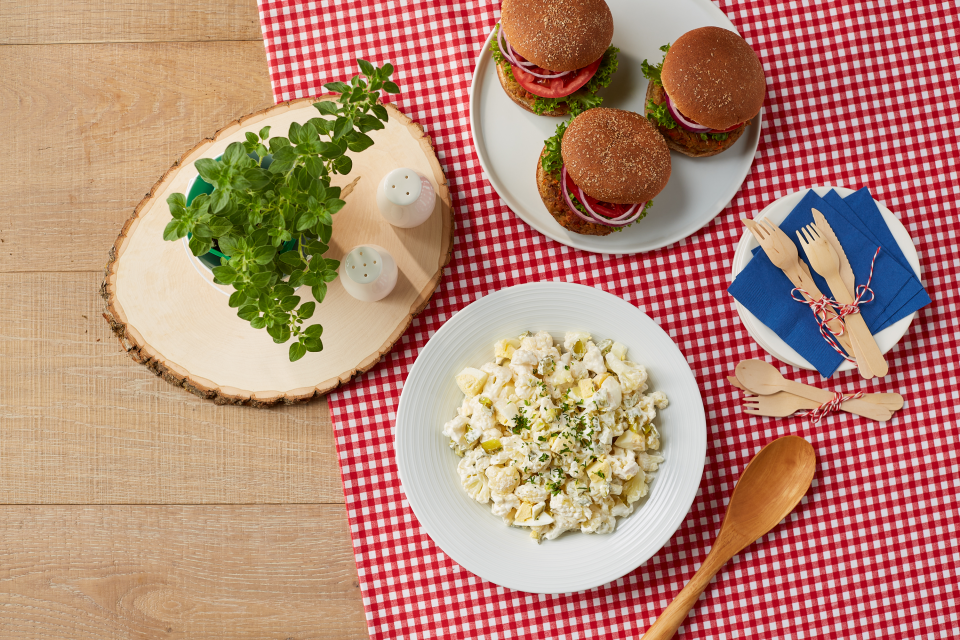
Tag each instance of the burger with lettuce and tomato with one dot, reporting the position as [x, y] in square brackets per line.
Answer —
[554, 55]
[705, 92]
[601, 170]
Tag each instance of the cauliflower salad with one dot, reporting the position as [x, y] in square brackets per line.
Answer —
[557, 437]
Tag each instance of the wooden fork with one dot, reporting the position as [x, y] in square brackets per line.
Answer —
[783, 253]
[824, 259]
[781, 405]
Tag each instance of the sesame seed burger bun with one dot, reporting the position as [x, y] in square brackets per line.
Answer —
[714, 78]
[686, 142]
[616, 156]
[559, 35]
[553, 200]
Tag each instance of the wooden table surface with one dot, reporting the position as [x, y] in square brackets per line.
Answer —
[129, 508]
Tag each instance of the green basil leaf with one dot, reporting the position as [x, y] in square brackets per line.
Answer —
[343, 126]
[278, 143]
[237, 298]
[343, 165]
[391, 87]
[218, 200]
[329, 276]
[229, 246]
[248, 312]
[326, 107]
[289, 302]
[319, 291]
[233, 153]
[339, 87]
[260, 280]
[220, 226]
[264, 254]
[313, 344]
[297, 351]
[314, 330]
[200, 246]
[334, 205]
[366, 68]
[380, 111]
[264, 133]
[306, 311]
[172, 231]
[225, 274]
[296, 278]
[252, 138]
[324, 233]
[294, 133]
[209, 169]
[307, 220]
[177, 200]
[386, 70]
[360, 141]
[291, 258]
[332, 264]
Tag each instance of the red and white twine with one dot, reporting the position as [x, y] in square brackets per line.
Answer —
[830, 406]
[826, 309]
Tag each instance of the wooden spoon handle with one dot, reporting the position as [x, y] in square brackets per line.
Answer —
[674, 615]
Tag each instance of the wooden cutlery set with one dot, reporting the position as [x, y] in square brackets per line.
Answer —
[827, 257]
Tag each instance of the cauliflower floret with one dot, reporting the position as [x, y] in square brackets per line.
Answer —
[599, 523]
[635, 488]
[496, 379]
[593, 359]
[526, 385]
[505, 412]
[649, 462]
[503, 504]
[531, 493]
[600, 474]
[631, 440]
[623, 462]
[503, 480]
[660, 399]
[477, 488]
[620, 509]
[523, 362]
[632, 376]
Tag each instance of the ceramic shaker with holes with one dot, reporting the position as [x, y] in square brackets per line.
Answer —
[405, 198]
[368, 272]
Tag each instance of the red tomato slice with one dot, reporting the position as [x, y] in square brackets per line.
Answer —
[736, 126]
[605, 209]
[554, 87]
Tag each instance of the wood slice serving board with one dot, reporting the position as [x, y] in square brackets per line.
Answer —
[170, 316]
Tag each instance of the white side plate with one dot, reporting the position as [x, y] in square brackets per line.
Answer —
[765, 337]
[509, 139]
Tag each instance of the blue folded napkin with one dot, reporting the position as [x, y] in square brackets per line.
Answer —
[856, 220]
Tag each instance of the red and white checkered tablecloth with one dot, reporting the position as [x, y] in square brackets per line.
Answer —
[859, 94]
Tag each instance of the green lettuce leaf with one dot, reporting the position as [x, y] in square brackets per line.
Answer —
[552, 161]
[498, 55]
[584, 98]
[658, 113]
[652, 73]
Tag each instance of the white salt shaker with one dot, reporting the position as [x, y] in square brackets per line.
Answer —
[368, 273]
[405, 198]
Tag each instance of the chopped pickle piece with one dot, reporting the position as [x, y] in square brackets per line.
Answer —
[486, 402]
[491, 445]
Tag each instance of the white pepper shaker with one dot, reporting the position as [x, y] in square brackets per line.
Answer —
[405, 198]
[368, 272]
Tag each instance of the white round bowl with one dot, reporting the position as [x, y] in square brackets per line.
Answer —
[466, 530]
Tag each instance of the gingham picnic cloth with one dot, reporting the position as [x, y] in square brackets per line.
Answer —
[859, 94]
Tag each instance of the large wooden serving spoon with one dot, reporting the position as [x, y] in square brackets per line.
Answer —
[768, 490]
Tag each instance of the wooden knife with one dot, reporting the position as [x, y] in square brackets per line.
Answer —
[846, 273]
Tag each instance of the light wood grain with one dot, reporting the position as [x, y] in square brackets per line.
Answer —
[124, 572]
[96, 125]
[169, 314]
[84, 21]
[82, 423]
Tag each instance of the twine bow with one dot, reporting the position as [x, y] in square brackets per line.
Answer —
[827, 309]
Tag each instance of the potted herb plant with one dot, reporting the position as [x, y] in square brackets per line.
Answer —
[270, 214]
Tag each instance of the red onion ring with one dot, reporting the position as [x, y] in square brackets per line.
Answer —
[507, 50]
[636, 210]
[689, 125]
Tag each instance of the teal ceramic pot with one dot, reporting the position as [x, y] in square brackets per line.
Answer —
[211, 259]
